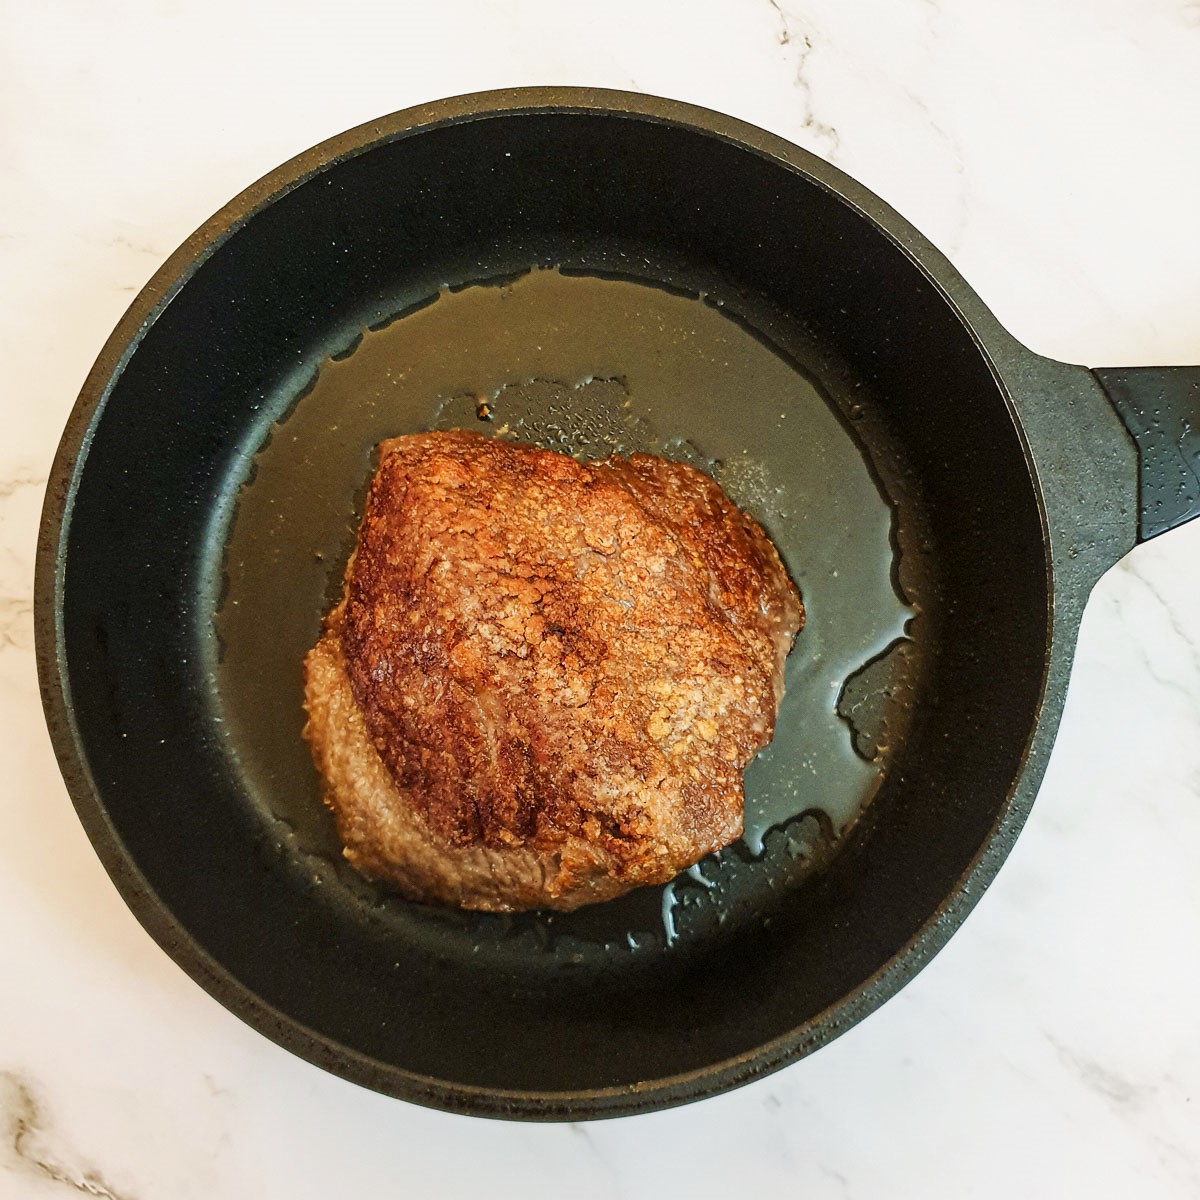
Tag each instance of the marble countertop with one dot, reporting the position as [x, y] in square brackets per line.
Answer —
[1049, 149]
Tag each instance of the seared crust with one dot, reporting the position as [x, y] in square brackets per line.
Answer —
[544, 677]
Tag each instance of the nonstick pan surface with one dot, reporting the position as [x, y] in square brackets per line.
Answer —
[598, 273]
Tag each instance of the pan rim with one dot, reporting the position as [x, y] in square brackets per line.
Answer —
[54, 679]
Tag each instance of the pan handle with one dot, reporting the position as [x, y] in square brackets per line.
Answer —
[1160, 406]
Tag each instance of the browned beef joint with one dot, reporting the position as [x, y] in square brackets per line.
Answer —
[544, 677]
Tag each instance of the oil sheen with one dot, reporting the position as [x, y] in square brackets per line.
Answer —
[590, 366]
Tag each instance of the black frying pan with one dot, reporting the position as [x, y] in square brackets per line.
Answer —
[596, 271]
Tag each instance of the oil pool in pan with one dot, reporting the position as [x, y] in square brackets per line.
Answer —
[591, 366]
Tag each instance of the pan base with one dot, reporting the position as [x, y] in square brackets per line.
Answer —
[591, 365]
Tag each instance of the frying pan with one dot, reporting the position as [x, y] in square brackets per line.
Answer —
[202, 505]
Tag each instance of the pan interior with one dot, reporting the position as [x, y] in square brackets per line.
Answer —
[199, 793]
[591, 366]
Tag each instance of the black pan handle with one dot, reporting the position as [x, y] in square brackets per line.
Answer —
[1160, 406]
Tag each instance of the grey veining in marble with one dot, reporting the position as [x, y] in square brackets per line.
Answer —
[32, 1146]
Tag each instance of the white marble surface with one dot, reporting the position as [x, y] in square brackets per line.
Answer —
[1050, 147]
